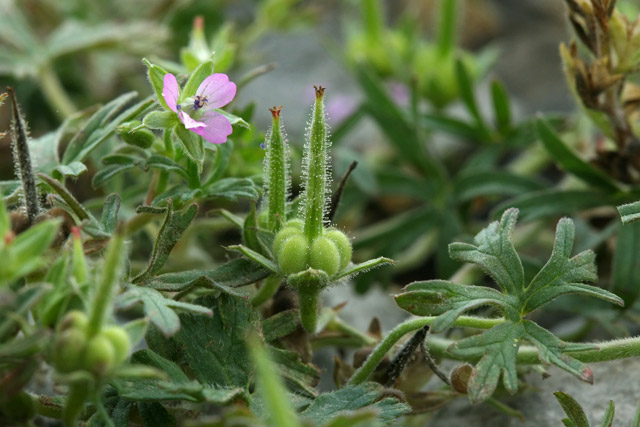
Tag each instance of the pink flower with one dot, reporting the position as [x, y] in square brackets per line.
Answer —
[200, 116]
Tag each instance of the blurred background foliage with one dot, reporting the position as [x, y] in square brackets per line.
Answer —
[436, 100]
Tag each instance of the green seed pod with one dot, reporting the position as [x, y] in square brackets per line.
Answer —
[293, 254]
[133, 134]
[343, 243]
[317, 176]
[100, 355]
[282, 236]
[120, 342]
[324, 255]
[277, 172]
[74, 320]
[68, 350]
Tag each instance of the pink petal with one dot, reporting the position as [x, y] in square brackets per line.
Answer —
[217, 89]
[171, 91]
[217, 127]
[189, 123]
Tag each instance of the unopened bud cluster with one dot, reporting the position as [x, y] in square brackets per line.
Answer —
[75, 350]
[329, 252]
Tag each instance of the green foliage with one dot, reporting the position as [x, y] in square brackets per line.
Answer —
[497, 348]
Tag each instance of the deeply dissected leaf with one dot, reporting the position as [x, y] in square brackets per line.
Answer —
[448, 300]
[175, 223]
[158, 308]
[352, 398]
[214, 347]
[494, 252]
[498, 348]
[564, 275]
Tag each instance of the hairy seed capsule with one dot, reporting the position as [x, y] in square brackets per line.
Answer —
[283, 235]
[120, 341]
[74, 320]
[100, 355]
[344, 246]
[293, 254]
[324, 255]
[68, 350]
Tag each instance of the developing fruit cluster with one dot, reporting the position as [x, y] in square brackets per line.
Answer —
[100, 354]
[329, 252]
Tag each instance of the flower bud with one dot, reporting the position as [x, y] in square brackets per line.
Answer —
[100, 355]
[120, 341]
[324, 255]
[132, 133]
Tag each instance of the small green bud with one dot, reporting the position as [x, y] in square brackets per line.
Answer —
[293, 254]
[324, 255]
[100, 355]
[68, 350]
[132, 133]
[343, 244]
[74, 320]
[120, 341]
[282, 237]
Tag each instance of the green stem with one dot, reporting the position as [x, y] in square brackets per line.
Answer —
[109, 280]
[372, 16]
[316, 173]
[55, 93]
[308, 302]
[276, 174]
[447, 27]
[404, 328]
[268, 289]
[47, 407]
[527, 355]
[337, 324]
[75, 403]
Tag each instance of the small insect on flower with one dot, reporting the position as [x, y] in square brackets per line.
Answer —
[199, 114]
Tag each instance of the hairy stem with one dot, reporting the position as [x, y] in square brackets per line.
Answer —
[527, 355]
[268, 289]
[22, 159]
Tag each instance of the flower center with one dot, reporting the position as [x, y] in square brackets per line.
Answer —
[199, 102]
